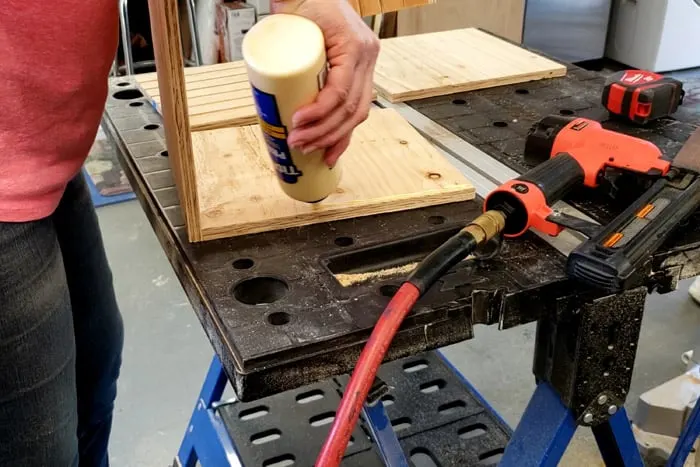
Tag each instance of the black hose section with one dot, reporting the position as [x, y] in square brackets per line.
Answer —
[442, 260]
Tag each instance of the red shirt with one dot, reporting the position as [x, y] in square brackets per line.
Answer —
[55, 58]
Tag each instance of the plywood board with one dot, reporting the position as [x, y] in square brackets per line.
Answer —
[505, 18]
[169, 64]
[376, 7]
[388, 167]
[218, 96]
[440, 63]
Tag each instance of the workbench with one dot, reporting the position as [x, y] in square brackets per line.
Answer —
[282, 325]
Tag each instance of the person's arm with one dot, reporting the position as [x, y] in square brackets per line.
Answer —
[352, 50]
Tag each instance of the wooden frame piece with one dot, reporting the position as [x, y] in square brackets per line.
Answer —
[165, 27]
[167, 48]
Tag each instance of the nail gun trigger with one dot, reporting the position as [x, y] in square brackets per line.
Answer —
[587, 228]
[611, 176]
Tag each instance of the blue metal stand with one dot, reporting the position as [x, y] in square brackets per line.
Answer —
[547, 427]
[542, 436]
[384, 435]
[206, 439]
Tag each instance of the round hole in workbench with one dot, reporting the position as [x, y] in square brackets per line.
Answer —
[522, 91]
[279, 318]
[388, 290]
[260, 290]
[500, 124]
[344, 241]
[243, 263]
[136, 104]
[151, 126]
[127, 94]
[459, 102]
[566, 112]
[163, 153]
[436, 220]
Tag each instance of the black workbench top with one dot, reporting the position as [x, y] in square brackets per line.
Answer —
[313, 327]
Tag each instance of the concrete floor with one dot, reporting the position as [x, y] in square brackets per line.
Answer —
[167, 353]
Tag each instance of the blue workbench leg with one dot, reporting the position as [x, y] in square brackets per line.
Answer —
[687, 439]
[384, 435]
[543, 433]
[616, 441]
[206, 438]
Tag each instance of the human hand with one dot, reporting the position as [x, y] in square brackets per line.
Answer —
[352, 49]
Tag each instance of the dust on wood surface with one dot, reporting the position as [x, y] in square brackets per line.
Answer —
[388, 167]
[440, 63]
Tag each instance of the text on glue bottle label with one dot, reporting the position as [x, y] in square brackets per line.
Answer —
[275, 134]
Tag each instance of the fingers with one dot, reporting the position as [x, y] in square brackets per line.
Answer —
[345, 100]
[334, 152]
[336, 91]
[325, 132]
[337, 150]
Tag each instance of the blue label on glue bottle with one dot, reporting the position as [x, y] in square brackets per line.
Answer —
[275, 134]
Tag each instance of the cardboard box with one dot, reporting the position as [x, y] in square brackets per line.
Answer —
[233, 20]
[262, 7]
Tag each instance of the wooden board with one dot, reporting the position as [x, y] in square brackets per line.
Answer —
[440, 63]
[376, 7]
[218, 96]
[165, 27]
[388, 167]
[505, 18]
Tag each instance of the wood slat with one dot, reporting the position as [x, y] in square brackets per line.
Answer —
[440, 63]
[388, 167]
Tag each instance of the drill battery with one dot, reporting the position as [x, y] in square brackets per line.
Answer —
[642, 96]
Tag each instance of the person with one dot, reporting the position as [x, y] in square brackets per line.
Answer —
[61, 333]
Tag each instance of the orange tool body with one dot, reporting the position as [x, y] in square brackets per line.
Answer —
[642, 96]
[570, 152]
[574, 152]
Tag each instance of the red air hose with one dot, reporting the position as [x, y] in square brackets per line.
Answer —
[454, 250]
[363, 377]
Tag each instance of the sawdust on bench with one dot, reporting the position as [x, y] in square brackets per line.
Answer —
[347, 280]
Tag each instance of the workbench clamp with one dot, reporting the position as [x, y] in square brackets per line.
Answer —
[585, 349]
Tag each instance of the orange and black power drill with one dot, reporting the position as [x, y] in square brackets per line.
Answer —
[642, 96]
[573, 152]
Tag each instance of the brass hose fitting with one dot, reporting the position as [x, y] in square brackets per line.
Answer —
[486, 226]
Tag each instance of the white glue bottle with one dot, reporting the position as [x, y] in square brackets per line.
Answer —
[286, 60]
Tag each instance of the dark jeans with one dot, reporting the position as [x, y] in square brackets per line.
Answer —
[61, 337]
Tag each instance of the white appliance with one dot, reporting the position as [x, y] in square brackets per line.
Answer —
[656, 35]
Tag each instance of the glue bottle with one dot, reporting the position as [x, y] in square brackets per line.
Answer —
[285, 56]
